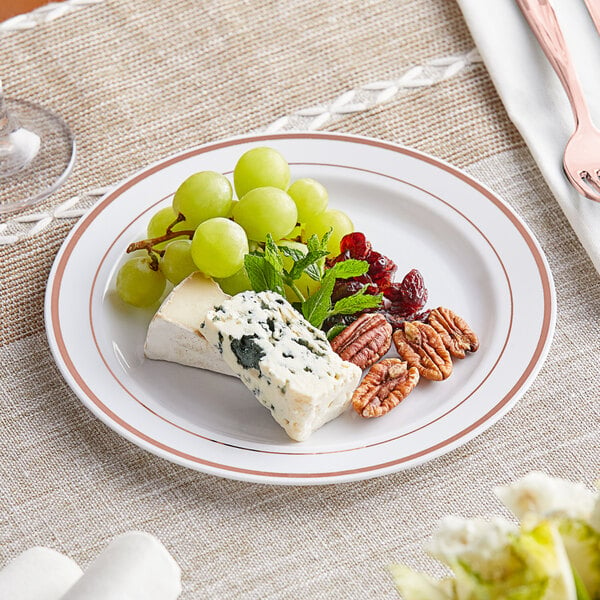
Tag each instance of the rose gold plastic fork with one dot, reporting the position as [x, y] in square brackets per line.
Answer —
[581, 160]
[593, 7]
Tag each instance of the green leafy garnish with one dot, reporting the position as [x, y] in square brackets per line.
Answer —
[266, 272]
[358, 301]
[335, 330]
[317, 307]
[273, 256]
[262, 275]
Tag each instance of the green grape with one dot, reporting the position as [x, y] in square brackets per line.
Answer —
[177, 262]
[159, 222]
[294, 233]
[306, 284]
[260, 167]
[203, 196]
[266, 210]
[236, 283]
[229, 215]
[138, 284]
[330, 219]
[310, 196]
[219, 247]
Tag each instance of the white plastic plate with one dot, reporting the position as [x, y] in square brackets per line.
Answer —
[476, 256]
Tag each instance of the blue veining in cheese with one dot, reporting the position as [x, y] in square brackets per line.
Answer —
[286, 362]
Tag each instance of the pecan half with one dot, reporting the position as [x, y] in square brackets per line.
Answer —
[421, 346]
[365, 341]
[386, 384]
[457, 336]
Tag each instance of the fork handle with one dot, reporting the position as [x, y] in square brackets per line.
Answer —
[594, 10]
[543, 23]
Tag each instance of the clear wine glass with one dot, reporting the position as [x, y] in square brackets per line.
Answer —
[37, 152]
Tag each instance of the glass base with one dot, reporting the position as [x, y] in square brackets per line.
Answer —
[35, 158]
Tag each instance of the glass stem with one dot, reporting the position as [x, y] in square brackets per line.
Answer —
[7, 123]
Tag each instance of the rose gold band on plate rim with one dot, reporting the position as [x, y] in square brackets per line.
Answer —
[72, 242]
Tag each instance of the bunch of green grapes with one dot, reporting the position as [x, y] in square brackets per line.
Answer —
[216, 231]
[290, 213]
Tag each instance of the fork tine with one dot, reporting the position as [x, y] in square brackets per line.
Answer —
[587, 184]
[579, 182]
[593, 181]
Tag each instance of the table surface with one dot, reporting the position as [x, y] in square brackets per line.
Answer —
[138, 81]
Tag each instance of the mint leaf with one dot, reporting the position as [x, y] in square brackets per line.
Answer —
[256, 273]
[355, 303]
[274, 279]
[313, 243]
[325, 239]
[306, 262]
[348, 268]
[262, 275]
[317, 307]
[272, 254]
[314, 272]
[293, 253]
[335, 330]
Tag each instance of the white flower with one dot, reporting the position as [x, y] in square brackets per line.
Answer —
[543, 496]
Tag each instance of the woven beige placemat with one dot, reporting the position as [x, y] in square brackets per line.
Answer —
[139, 80]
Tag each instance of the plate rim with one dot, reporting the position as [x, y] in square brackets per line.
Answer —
[158, 448]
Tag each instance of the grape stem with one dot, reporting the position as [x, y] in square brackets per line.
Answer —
[153, 260]
[150, 243]
[180, 217]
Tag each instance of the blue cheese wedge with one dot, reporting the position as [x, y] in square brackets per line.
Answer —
[174, 332]
[283, 360]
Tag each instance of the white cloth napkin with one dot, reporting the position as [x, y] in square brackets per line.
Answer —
[534, 98]
[38, 574]
[134, 566]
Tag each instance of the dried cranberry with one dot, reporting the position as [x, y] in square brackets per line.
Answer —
[339, 258]
[344, 288]
[383, 280]
[378, 263]
[414, 288]
[394, 293]
[356, 244]
[338, 320]
[408, 297]
[422, 316]
[401, 302]
[363, 278]
[394, 320]
[402, 310]
[411, 291]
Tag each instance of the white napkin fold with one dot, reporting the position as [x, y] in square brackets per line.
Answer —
[533, 97]
[134, 566]
[38, 574]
